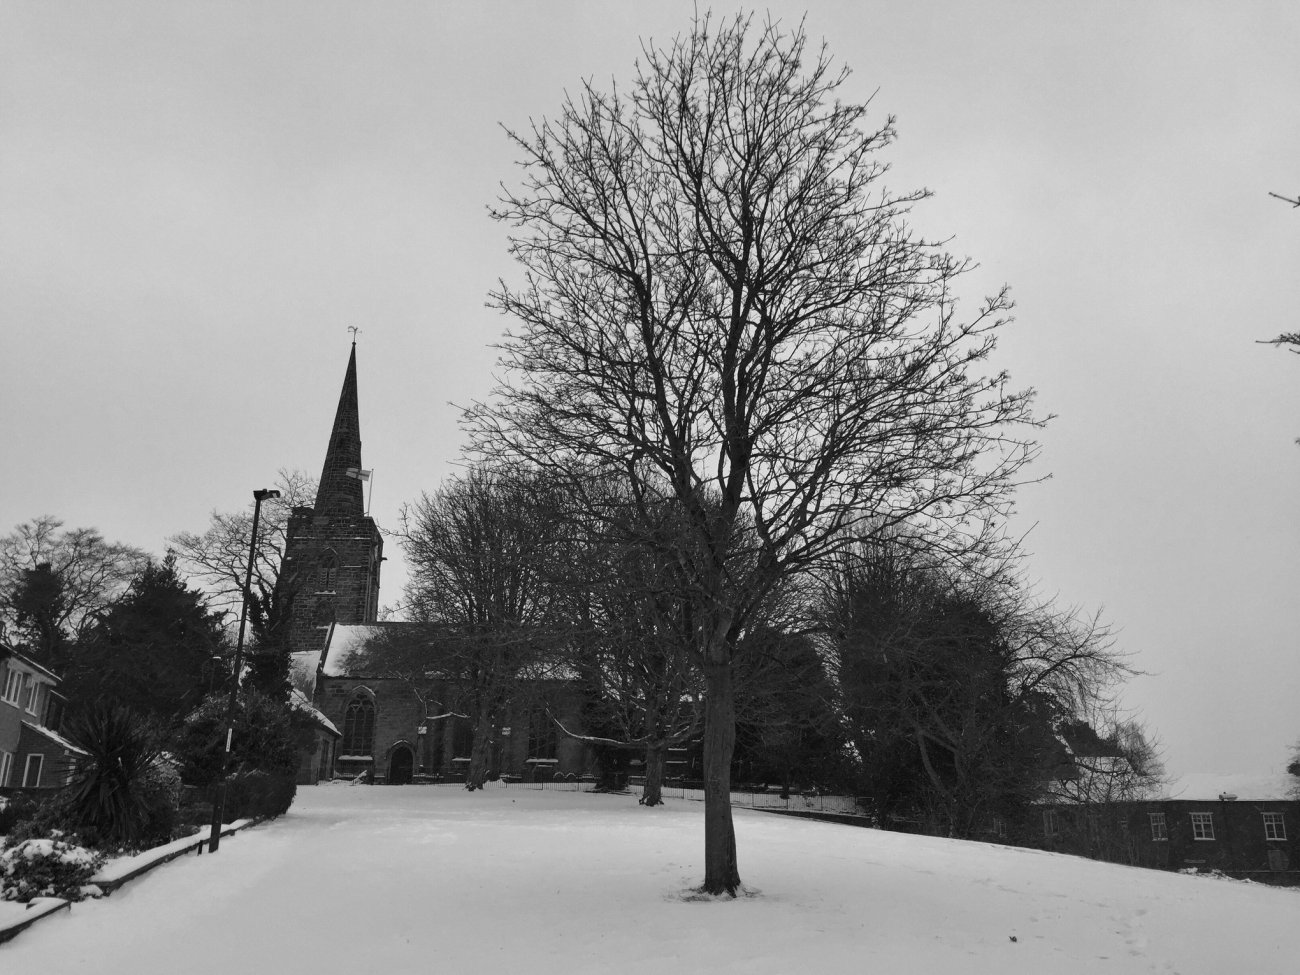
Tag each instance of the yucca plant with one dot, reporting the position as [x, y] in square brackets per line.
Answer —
[117, 793]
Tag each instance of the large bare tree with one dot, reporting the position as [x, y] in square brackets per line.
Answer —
[480, 552]
[629, 641]
[724, 305]
[54, 582]
[954, 680]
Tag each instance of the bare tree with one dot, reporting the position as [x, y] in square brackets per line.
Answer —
[480, 552]
[724, 306]
[217, 558]
[55, 582]
[630, 643]
[955, 681]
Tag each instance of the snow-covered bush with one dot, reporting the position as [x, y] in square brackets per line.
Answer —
[47, 867]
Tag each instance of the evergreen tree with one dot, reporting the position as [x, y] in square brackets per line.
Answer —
[156, 650]
[39, 602]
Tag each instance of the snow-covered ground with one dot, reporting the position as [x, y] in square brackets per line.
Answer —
[434, 879]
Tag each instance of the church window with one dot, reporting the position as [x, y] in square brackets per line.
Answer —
[359, 727]
[328, 575]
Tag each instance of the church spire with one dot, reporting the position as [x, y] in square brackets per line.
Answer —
[339, 495]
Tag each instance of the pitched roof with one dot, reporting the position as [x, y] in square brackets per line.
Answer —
[299, 702]
[54, 737]
[344, 643]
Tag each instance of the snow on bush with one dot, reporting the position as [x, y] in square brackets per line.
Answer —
[47, 867]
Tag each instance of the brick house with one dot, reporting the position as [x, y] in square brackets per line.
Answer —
[33, 755]
[1243, 827]
[395, 729]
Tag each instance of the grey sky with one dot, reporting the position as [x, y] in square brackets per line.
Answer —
[196, 200]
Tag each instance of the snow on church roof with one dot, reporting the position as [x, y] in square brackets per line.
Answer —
[344, 642]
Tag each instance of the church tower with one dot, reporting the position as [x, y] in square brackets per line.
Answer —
[333, 550]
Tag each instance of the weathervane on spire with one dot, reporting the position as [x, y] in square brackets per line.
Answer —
[354, 330]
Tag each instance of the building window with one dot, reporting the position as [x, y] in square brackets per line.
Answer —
[13, 686]
[542, 740]
[1051, 823]
[1274, 827]
[327, 576]
[359, 728]
[1202, 826]
[6, 767]
[32, 773]
[32, 695]
[1159, 829]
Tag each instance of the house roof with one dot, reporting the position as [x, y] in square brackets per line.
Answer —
[26, 661]
[1207, 786]
[54, 737]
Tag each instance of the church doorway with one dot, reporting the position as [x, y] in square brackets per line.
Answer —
[400, 764]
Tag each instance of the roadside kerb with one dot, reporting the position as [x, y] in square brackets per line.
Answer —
[119, 872]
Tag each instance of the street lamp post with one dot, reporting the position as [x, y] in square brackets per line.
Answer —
[219, 805]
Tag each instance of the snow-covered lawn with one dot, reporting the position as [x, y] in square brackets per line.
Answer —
[434, 879]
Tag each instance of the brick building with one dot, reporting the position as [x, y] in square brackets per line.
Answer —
[33, 755]
[1241, 827]
[399, 730]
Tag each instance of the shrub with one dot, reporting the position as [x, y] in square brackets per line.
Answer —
[50, 867]
[121, 792]
[14, 810]
[259, 794]
[265, 738]
[265, 750]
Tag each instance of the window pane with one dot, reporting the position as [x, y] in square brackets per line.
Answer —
[32, 775]
[1158, 828]
[1274, 827]
[1202, 826]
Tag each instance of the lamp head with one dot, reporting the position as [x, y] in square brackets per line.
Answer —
[265, 493]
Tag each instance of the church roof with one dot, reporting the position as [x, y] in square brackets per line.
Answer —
[344, 643]
[412, 648]
[340, 494]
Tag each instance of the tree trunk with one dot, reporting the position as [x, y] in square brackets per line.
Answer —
[480, 753]
[652, 794]
[721, 875]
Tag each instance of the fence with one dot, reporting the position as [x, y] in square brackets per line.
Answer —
[794, 802]
[811, 802]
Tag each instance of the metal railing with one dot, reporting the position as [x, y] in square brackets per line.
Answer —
[794, 802]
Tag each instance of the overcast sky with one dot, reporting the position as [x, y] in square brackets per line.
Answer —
[197, 200]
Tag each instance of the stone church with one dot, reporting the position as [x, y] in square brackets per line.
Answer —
[393, 729]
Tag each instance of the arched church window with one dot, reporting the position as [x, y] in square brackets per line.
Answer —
[359, 726]
[327, 575]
